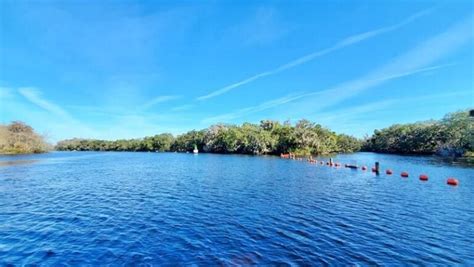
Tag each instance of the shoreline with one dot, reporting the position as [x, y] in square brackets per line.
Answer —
[470, 157]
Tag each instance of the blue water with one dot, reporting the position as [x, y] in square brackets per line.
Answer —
[92, 208]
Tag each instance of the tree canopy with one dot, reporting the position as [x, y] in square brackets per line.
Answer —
[451, 136]
[19, 138]
[268, 137]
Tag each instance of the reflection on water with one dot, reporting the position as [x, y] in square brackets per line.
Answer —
[91, 208]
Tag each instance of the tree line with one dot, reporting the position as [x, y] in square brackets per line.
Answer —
[19, 138]
[451, 136]
[269, 137]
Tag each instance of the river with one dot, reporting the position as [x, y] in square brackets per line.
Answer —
[90, 208]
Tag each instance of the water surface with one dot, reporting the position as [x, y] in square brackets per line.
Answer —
[167, 208]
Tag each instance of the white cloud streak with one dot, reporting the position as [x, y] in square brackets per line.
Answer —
[182, 108]
[307, 58]
[326, 94]
[61, 124]
[34, 96]
[415, 61]
[349, 119]
[351, 113]
[159, 99]
[246, 111]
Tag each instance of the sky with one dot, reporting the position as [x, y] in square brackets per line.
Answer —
[129, 69]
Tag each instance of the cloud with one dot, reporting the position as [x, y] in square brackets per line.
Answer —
[349, 119]
[59, 125]
[369, 108]
[348, 89]
[182, 108]
[416, 60]
[159, 99]
[341, 44]
[35, 96]
[329, 95]
[246, 111]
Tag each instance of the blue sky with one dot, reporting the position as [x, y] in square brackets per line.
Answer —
[125, 69]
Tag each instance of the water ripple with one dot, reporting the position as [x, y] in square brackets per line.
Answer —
[215, 210]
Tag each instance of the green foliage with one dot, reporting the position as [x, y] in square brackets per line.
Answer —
[161, 142]
[187, 141]
[19, 138]
[346, 143]
[451, 136]
[269, 137]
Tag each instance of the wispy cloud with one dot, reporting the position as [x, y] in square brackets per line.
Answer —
[55, 120]
[353, 87]
[352, 113]
[34, 96]
[159, 99]
[182, 107]
[246, 111]
[414, 61]
[327, 95]
[349, 119]
[302, 60]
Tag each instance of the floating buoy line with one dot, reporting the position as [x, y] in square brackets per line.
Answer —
[376, 169]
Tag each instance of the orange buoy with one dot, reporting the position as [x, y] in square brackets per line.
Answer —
[389, 172]
[364, 168]
[424, 177]
[404, 174]
[452, 181]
